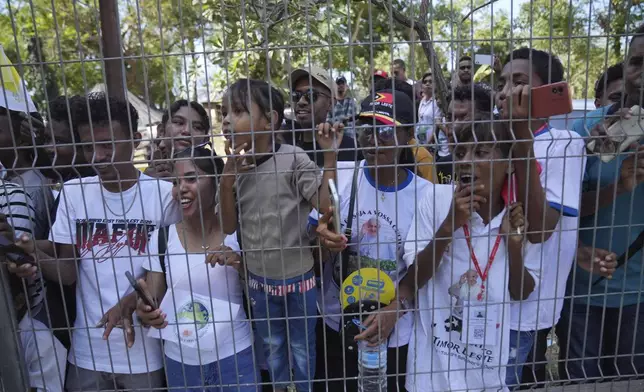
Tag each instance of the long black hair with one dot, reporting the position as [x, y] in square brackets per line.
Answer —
[204, 158]
[266, 97]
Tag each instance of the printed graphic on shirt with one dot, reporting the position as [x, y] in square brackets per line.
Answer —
[466, 292]
[466, 287]
[102, 239]
[378, 244]
[193, 318]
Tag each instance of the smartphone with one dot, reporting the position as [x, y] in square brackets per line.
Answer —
[551, 100]
[14, 253]
[139, 291]
[619, 136]
[335, 202]
[483, 59]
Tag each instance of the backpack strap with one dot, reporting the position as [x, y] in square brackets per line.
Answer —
[163, 246]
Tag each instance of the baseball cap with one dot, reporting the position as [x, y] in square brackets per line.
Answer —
[380, 74]
[341, 80]
[389, 107]
[316, 73]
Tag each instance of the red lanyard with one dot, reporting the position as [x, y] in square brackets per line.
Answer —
[475, 261]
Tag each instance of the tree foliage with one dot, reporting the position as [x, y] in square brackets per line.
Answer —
[164, 42]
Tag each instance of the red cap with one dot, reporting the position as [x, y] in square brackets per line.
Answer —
[381, 74]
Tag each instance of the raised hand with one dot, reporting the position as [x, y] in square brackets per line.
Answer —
[329, 136]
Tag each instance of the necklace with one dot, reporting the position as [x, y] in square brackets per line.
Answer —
[383, 194]
[136, 191]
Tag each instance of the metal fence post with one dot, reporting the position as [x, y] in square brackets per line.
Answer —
[12, 374]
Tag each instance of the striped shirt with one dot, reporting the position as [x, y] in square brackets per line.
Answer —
[18, 206]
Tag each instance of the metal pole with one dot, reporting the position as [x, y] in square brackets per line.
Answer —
[111, 38]
[12, 373]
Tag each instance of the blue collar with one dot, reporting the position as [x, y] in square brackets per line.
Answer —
[382, 188]
[544, 128]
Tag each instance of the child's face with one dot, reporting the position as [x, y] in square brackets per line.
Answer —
[482, 162]
[239, 126]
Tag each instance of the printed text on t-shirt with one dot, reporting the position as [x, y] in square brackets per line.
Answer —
[109, 236]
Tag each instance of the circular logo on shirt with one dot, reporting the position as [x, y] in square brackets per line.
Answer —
[193, 318]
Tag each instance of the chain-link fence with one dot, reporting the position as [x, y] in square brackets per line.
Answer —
[322, 195]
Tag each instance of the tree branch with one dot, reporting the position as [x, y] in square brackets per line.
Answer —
[420, 27]
[277, 17]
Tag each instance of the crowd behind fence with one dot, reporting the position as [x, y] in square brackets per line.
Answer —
[416, 232]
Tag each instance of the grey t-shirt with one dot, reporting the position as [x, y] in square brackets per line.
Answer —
[274, 205]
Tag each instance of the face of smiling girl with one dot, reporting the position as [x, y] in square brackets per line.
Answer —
[193, 188]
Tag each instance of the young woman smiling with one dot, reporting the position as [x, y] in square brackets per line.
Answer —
[201, 318]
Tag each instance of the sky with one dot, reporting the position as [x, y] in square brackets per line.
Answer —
[507, 4]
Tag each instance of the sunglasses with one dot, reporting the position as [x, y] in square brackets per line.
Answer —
[385, 134]
[309, 96]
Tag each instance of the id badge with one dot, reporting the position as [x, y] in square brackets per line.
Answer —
[480, 323]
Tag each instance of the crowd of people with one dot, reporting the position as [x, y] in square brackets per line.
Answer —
[490, 230]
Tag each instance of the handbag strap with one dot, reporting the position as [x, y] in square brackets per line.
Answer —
[347, 230]
[352, 201]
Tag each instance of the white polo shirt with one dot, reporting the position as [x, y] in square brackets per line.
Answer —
[439, 359]
[560, 153]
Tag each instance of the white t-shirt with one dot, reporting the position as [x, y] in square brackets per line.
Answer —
[188, 272]
[428, 111]
[382, 218]
[45, 357]
[109, 244]
[439, 359]
[560, 153]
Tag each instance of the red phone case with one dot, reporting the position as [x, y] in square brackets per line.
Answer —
[551, 100]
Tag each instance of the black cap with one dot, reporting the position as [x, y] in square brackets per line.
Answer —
[389, 107]
[341, 80]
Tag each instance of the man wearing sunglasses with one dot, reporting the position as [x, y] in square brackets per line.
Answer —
[312, 94]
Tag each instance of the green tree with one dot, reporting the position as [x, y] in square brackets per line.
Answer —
[152, 33]
[561, 27]
[616, 18]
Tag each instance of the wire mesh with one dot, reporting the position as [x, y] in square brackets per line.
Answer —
[323, 195]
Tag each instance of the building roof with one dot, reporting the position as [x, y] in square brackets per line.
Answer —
[148, 116]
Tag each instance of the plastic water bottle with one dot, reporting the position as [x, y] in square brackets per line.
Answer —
[372, 367]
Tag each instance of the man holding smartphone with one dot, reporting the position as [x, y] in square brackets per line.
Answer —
[548, 166]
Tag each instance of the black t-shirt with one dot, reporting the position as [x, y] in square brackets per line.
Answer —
[444, 170]
[294, 136]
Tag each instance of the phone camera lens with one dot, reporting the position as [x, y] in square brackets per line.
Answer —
[554, 90]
